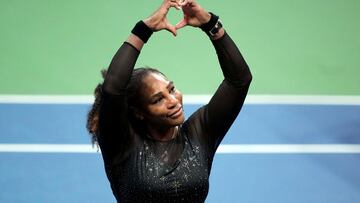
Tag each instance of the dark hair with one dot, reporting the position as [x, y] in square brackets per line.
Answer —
[133, 93]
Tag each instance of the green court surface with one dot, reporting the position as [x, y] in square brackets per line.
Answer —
[293, 47]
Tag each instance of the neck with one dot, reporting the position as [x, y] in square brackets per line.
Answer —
[164, 134]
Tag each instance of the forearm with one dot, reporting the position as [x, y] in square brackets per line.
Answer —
[135, 41]
[218, 35]
[123, 62]
[233, 65]
[120, 69]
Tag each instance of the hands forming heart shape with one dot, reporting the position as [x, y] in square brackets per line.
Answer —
[194, 15]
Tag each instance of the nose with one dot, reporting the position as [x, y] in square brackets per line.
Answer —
[172, 101]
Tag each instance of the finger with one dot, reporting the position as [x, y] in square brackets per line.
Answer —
[181, 24]
[184, 2]
[176, 5]
[171, 28]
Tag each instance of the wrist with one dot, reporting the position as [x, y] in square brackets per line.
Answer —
[135, 41]
[218, 35]
[205, 18]
[142, 31]
[213, 26]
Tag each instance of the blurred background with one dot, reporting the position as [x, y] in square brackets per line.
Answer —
[303, 51]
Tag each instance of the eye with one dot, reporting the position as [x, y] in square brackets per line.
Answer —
[172, 89]
[157, 100]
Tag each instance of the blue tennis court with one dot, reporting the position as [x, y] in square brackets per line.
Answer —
[270, 176]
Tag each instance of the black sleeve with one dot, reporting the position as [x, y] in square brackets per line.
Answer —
[226, 103]
[114, 133]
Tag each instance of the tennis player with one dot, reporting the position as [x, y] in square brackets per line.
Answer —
[151, 152]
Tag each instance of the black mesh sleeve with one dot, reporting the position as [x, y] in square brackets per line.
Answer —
[114, 133]
[120, 69]
[225, 105]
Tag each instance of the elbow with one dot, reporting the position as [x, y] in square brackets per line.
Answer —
[107, 87]
[249, 78]
[242, 80]
[112, 89]
[246, 76]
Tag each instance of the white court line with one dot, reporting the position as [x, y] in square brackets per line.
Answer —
[48, 148]
[287, 148]
[192, 99]
[223, 149]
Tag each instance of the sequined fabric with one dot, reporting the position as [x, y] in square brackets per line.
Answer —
[174, 171]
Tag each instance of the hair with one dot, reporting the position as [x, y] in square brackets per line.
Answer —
[133, 93]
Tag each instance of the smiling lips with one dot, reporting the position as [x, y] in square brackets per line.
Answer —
[176, 114]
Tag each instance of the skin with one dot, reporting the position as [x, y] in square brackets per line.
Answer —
[162, 107]
[161, 123]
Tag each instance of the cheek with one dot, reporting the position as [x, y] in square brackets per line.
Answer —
[179, 97]
[153, 111]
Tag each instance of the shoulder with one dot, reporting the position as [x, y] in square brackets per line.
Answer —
[195, 124]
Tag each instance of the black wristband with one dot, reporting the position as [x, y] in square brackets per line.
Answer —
[142, 31]
[206, 27]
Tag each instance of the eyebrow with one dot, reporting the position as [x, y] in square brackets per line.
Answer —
[171, 83]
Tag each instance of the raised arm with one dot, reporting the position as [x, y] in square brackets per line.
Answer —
[219, 114]
[114, 136]
[226, 103]
[113, 123]
[123, 62]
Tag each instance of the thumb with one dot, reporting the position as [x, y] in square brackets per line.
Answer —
[181, 24]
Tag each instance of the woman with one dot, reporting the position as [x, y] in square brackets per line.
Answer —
[151, 153]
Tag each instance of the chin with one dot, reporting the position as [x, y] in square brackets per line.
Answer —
[180, 120]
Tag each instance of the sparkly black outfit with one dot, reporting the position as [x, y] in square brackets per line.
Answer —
[141, 169]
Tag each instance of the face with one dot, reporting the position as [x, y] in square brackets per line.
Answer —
[162, 106]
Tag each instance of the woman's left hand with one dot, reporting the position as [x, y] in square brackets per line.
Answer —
[194, 14]
[158, 21]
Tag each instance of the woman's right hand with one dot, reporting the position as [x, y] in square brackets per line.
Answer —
[158, 21]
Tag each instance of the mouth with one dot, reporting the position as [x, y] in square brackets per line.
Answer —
[176, 113]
